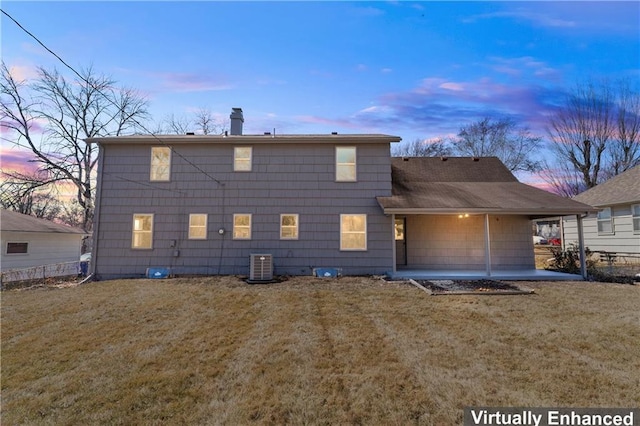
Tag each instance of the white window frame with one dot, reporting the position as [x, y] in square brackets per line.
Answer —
[237, 228]
[346, 165]
[193, 228]
[135, 232]
[242, 163]
[6, 250]
[344, 233]
[604, 220]
[157, 163]
[635, 218]
[295, 228]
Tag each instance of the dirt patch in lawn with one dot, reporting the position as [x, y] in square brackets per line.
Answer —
[472, 287]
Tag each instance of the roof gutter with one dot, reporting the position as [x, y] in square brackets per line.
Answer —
[478, 211]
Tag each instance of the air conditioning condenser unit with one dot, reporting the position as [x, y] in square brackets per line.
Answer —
[261, 268]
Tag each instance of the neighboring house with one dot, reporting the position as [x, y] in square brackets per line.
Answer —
[616, 225]
[205, 204]
[29, 242]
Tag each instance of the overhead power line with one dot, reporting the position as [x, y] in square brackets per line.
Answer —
[81, 77]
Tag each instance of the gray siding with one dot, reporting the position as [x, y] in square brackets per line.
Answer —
[285, 178]
[621, 240]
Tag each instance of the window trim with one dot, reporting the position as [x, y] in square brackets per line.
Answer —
[635, 218]
[342, 232]
[354, 164]
[133, 231]
[605, 220]
[235, 215]
[151, 165]
[236, 159]
[206, 220]
[6, 248]
[296, 227]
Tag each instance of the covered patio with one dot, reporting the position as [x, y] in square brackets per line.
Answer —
[469, 218]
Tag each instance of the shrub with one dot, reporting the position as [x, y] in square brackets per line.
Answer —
[568, 261]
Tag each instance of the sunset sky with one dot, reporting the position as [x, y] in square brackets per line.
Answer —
[412, 69]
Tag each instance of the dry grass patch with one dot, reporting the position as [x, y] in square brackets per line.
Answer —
[307, 351]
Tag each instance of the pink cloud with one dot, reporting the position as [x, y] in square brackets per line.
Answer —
[452, 86]
[190, 82]
[311, 119]
[17, 160]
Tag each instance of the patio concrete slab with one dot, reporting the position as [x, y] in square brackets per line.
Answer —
[519, 275]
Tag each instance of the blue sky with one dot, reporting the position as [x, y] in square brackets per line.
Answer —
[412, 69]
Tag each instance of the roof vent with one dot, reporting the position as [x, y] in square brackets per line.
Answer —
[443, 158]
[405, 158]
[475, 159]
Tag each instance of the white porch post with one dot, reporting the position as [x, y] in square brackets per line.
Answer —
[583, 260]
[487, 245]
[393, 241]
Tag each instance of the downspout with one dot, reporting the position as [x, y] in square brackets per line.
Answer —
[96, 214]
[393, 243]
[583, 260]
[487, 245]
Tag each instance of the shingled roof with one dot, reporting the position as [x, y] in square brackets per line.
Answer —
[431, 185]
[621, 189]
[18, 222]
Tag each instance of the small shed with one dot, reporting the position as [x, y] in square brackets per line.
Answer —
[29, 242]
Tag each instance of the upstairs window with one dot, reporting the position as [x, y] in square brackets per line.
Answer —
[242, 158]
[160, 163]
[353, 232]
[635, 214]
[346, 164]
[197, 226]
[17, 248]
[241, 226]
[142, 237]
[289, 227]
[605, 221]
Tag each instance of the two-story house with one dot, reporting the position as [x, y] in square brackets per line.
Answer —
[216, 204]
[203, 204]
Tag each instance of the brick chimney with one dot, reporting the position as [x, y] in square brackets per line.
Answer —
[236, 121]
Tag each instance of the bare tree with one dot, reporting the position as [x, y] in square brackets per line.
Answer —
[582, 128]
[624, 153]
[595, 133]
[69, 111]
[28, 193]
[562, 179]
[422, 148]
[514, 146]
[202, 122]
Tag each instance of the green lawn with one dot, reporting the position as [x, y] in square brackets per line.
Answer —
[309, 351]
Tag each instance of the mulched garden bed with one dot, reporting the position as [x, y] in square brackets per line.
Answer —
[471, 287]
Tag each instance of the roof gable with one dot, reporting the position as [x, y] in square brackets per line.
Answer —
[450, 169]
[430, 185]
[621, 189]
[18, 222]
